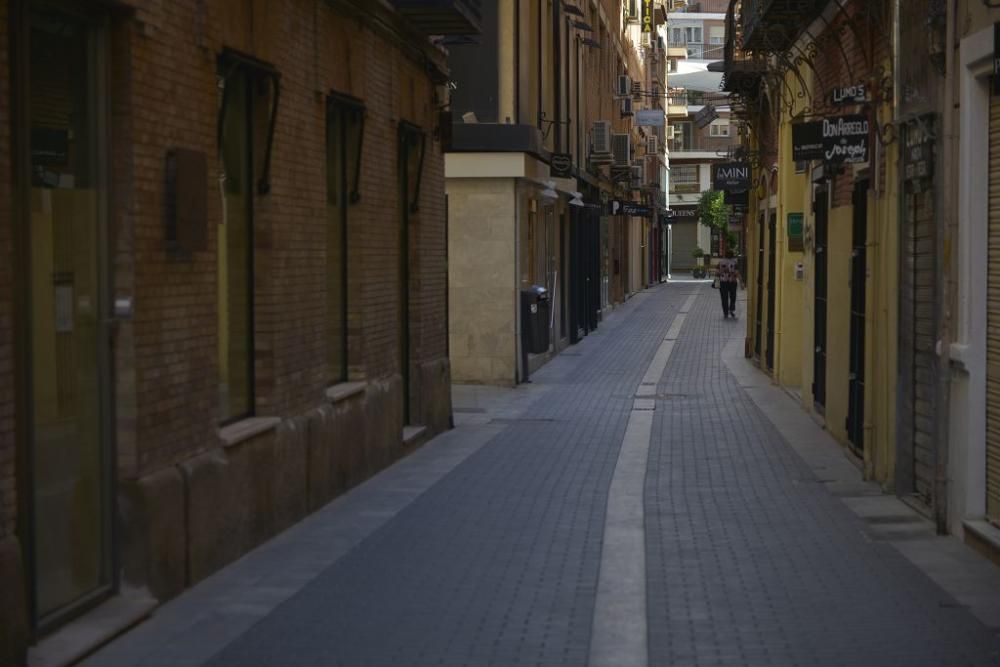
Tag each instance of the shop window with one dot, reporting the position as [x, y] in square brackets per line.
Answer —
[719, 130]
[249, 97]
[344, 136]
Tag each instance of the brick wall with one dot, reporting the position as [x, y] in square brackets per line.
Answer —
[8, 488]
[168, 97]
[842, 60]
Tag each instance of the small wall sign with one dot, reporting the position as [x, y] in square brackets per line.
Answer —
[795, 225]
[848, 95]
[807, 141]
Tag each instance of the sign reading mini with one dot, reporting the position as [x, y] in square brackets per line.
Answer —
[732, 176]
[847, 95]
[562, 165]
[807, 141]
[845, 139]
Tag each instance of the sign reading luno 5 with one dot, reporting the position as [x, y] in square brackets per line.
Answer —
[647, 16]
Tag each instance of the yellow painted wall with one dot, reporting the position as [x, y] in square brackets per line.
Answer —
[838, 319]
[792, 193]
[482, 283]
[794, 336]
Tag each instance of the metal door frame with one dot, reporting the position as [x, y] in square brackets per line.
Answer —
[772, 291]
[855, 422]
[100, 30]
[821, 211]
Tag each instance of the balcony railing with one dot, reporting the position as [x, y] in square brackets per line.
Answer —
[774, 25]
[442, 17]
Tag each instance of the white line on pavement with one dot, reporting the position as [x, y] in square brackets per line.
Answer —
[619, 636]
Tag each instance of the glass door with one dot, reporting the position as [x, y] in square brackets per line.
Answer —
[70, 458]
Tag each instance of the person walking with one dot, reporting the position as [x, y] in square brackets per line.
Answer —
[728, 274]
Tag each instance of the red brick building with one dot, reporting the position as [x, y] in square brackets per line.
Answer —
[223, 280]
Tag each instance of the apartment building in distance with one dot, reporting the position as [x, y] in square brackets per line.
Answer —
[703, 134]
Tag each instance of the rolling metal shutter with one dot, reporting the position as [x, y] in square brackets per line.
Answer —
[993, 325]
[685, 239]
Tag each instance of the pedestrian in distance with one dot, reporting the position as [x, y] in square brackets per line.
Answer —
[728, 275]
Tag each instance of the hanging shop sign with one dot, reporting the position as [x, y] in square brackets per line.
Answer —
[682, 214]
[649, 118]
[845, 139]
[731, 176]
[705, 117]
[621, 174]
[738, 200]
[795, 228]
[847, 95]
[561, 165]
[807, 141]
[648, 24]
[630, 208]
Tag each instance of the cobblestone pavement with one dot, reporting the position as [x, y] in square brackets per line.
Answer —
[748, 560]
[751, 561]
[496, 564]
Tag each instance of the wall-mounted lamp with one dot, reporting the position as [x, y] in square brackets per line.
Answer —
[550, 190]
[577, 199]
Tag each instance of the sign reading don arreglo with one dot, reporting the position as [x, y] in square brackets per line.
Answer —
[845, 139]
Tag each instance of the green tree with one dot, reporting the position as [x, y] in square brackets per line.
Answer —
[712, 210]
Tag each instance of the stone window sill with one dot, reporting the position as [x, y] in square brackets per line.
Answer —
[245, 429]
[344, 390]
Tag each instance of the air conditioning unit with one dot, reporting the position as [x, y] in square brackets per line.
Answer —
[651, 145]
[621, 149]
[624, 86]
[638, 176]
[600, 146]
[670, 131]
[626, 107]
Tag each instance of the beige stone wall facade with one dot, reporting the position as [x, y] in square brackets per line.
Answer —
[483, 281]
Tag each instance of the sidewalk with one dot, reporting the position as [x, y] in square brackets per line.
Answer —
[649, 499]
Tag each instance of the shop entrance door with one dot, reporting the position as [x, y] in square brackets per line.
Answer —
[859, 270]
[821, 211]
[63, 340]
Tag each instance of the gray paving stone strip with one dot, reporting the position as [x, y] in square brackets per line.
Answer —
[493, 561]
[620, 632]
[195, 626]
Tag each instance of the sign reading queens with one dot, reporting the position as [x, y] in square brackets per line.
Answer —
[845, 139]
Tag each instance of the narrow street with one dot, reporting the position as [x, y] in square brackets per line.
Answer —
[648, 499]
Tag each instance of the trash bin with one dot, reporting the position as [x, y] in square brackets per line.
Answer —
[535, 313]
